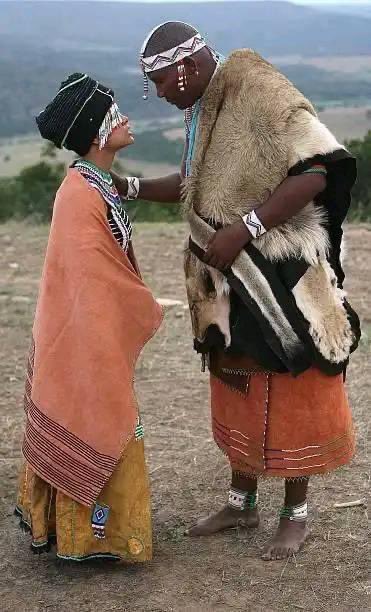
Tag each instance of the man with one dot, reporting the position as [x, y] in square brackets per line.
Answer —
[266, 188]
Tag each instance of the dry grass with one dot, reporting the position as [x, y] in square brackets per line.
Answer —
[189, 476]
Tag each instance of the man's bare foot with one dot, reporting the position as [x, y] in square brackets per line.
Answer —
[226, 518]
[287, 541]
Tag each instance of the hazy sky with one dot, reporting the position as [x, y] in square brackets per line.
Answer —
[323, 2]
[294, 1]
[312, 2]
[334, 2]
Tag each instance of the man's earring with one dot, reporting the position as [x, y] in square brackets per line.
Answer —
[182, 77]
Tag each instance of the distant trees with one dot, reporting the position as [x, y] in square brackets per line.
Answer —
[361, 149]
[31, 194]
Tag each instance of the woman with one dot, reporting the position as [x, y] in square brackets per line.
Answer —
[84, 483]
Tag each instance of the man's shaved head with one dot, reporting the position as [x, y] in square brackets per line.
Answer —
[180, 71]
[167, 36]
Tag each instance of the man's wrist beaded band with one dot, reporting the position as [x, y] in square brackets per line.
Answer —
[253, 224]
[133, 188]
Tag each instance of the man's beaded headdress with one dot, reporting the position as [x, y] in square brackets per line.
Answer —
[167, 57]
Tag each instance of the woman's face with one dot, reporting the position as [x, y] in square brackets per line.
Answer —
[121, 136]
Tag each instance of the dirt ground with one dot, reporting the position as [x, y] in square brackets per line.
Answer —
[189, 475]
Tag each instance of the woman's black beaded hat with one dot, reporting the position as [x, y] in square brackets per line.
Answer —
[73, 118]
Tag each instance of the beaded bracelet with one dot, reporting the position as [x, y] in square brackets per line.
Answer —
[316, 169]
[242, 500]
[295, 513]
[133, 188]
[253, 224]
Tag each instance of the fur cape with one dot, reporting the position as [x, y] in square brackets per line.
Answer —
[255, 128]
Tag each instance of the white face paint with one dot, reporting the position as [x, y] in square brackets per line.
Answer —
[112, 120]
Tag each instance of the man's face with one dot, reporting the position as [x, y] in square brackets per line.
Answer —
[166, 83]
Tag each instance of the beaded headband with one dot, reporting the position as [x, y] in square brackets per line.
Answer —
[169, 57]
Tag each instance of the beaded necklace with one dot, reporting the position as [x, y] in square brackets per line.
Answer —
[191, 117]
[117, 216]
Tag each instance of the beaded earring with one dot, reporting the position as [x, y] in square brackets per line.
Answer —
[145, 81]
[182, 76]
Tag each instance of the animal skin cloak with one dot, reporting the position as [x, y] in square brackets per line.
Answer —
[255, 129]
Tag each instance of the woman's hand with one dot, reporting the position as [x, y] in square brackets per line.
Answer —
[226, 244]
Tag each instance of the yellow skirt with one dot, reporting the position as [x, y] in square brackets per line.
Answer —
[51, 516]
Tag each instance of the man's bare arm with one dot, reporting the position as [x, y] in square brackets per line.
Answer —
[294, 193]
[165, 189]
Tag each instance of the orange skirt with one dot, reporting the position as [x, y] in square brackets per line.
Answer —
[277, 425]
